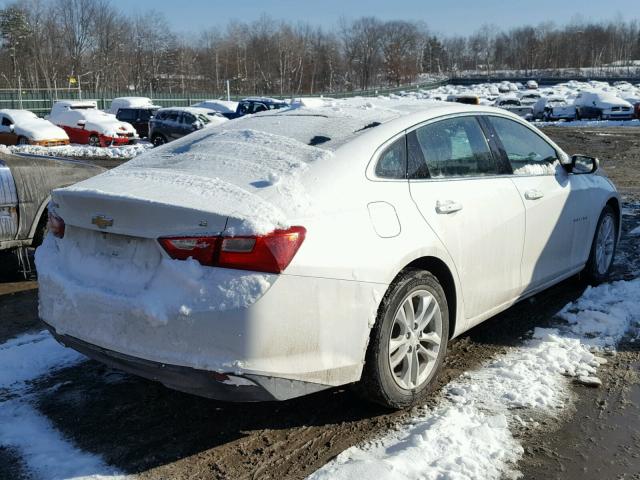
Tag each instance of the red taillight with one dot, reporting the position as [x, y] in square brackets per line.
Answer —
[265, 253]
[55, 224]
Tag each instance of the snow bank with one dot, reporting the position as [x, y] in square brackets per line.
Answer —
[469, 435]
[83, 151]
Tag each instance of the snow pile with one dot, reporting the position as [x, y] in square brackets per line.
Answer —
[83, 151]
[469, 435]
[44, 451]
[151, 288]
[602, 315]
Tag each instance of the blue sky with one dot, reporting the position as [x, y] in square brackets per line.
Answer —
[445, 17]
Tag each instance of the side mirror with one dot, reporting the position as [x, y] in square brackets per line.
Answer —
[82, 123]
[197, 125]
[12, 128]
[583, 164]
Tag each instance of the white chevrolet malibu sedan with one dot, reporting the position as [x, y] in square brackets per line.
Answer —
[301, 249]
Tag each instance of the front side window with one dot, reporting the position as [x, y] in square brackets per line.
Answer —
[393, 161]
[6, 122]
[528, 153]
[454, 147]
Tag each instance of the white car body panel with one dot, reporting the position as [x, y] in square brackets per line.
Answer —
[311, 323]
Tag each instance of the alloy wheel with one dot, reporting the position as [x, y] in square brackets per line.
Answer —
[605, 243]
[415, 339]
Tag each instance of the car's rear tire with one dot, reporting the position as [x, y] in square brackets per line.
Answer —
[603, 247]
[158, 140]
[94, 141]
[408, 342]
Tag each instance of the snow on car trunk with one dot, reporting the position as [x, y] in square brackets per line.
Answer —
[194, 184]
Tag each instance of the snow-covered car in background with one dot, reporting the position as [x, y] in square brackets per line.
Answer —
[307, 248]
[532, 85]
[529, 97]
[553, 108]
[25, 186]
[602, 105]
[466, 98]
[22, 127]
[223, 107]
[176, 122]
[130, 102]
[512, 104]
[85, 124]
[137, 111]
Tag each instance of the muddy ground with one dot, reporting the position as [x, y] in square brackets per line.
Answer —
[142, 427]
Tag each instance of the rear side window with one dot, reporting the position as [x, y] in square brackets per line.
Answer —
[528, 153]
[393, 161]
[172, 116]
[455, 147]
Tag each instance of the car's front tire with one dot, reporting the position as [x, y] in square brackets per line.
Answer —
[603, 247]
[408, 342]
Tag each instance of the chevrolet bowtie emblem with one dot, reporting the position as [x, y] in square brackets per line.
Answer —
[102, 222]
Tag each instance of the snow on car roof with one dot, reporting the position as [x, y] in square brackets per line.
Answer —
[192, 110]
[18, 115]
[224, 106]
[333, 124]
[262, 99]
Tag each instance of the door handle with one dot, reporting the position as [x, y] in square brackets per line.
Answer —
[533, 194]
[448, 206]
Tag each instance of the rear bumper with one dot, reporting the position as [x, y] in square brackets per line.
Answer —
[204, 383]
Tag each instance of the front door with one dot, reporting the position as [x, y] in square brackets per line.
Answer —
[545, 190]
[460, 188]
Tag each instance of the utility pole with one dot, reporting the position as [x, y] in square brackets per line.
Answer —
[228, 91]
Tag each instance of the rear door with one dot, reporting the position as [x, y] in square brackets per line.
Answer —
[545, 189]
[461, 189]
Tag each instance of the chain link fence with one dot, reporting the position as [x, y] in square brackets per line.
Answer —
[40, 101]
